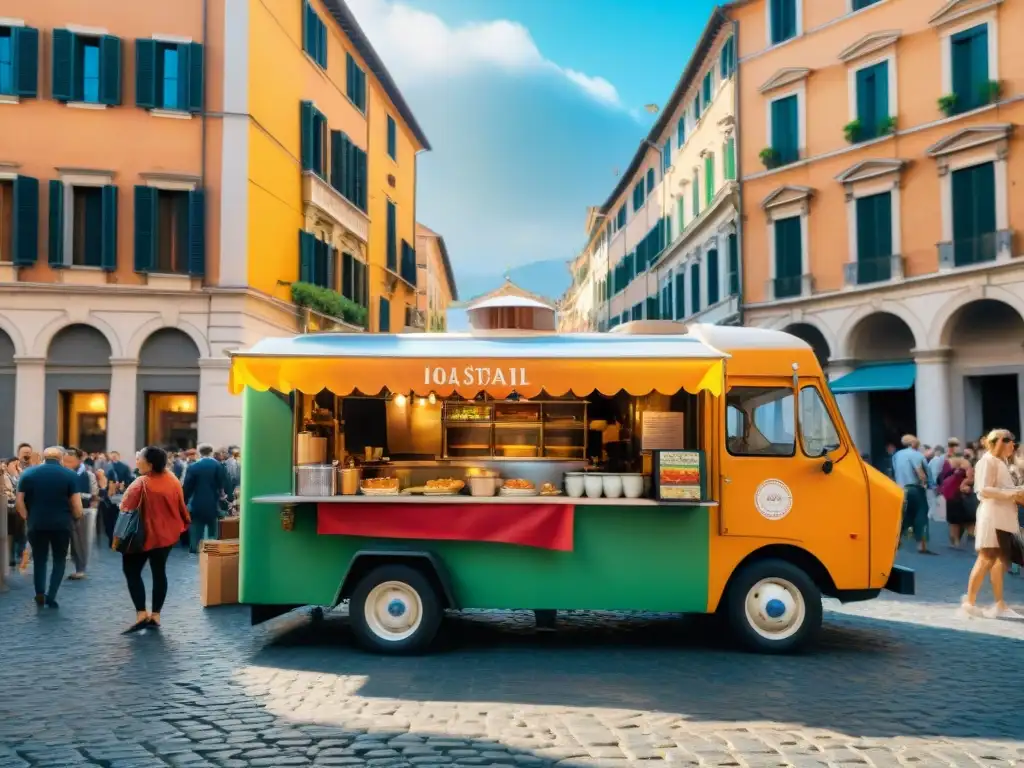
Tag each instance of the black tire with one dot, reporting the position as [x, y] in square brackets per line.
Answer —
[744, 581]
[430, 604]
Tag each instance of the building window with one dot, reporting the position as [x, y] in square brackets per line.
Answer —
[355, 83]
[872, 101]
[392, 237]
[348, 169]
[782, 20]
[392, 138]
[681, 131]
[858, 5]
[6, 221]
[6, 61]
[650, 180]
[788, 258]
[696, 193]
[734, 265]
[666, 305]
[169, 75]
[317, 261]
[969, 61]
[727, 59]
[638, 196]
[785, 129]
[696, 107]
[681, 293]
[729, 155]
[384, 315]
[709, 179]
[666, 156]
[407, 267]
[83, 420]
[620, 217]
[974, 215]
[652, 308]
[314, 36]
[681, 212]
[19, 61]
[87, 227]
[695, 288]
[172, 419]
[874, 238]
[86, 68]
[712, 263]
[353, 280]
[314, 139]
[708, 87]
[638, 311]
[172, 232]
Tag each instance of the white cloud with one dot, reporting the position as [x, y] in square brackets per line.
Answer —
[416, 44]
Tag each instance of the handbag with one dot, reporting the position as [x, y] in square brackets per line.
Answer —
[129, 532]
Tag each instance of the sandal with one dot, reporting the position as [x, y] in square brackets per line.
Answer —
[153, 623]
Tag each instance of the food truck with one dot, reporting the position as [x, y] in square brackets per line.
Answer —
[656, 468]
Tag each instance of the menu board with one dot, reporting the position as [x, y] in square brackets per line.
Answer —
[679, 475]
[662, 431]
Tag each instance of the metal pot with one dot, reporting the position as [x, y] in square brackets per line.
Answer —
[315, 480]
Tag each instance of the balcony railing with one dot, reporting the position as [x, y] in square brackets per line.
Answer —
[415, 318]
[788, 287]
[878, 270]
[968, 251]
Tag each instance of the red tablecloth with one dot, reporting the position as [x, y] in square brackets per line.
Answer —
[546, 526]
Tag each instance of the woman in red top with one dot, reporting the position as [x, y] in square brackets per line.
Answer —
[157, 494]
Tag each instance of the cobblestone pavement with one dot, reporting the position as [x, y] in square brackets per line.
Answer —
[898, 681]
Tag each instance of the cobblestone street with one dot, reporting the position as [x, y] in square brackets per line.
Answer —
[896, 681]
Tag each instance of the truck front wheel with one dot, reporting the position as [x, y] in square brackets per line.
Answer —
[774, 607]
[394, 609]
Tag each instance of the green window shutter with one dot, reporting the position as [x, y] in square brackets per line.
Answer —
[63, 65]
[694, 289]
[872, 99]
[712, 262]
[322, 43]
[730, 158]
[709, 179]
[55, 241]
[110, 70]
[786, 129]
[979, 65]
[392, 138]
[307, 28]
[361, 180]
[197, 233]
[734, 265]
[25, 234]
[145, 228]
[384, 315]
[307, 256]
[681, 212]
[707, 89]
[108, 228]
[681, 294]
[337, 159]
[392, 238]
[681, 131]
[788, 255]
[194, 76]
[25, 55]
[145, 73]
[306, 128]
[696, 194]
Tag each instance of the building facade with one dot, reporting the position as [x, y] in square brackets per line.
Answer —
[436, 289]
[172, 178]
[880, 216]
[576, 312]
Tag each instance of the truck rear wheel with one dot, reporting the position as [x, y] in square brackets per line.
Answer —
[773, 607]
[394, 609]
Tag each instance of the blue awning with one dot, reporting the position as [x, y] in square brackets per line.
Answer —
[876, 377]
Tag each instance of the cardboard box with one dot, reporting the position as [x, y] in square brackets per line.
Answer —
[228, 528]
[218, 573]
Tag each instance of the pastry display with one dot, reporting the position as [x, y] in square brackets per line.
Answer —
[517, 484]
[549, 489]
[445, 484]
[379, 486]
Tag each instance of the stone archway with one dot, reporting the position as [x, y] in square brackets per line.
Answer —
[880, 336]
[167, 386]
[986, 366]
[813, 336]
[8, 380]
[77, 388]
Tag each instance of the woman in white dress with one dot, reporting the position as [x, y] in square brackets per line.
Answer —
[996, 527]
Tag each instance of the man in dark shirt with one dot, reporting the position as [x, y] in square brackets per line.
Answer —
[206, 482]
[48, 500]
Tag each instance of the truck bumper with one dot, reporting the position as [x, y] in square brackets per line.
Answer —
[901, 580]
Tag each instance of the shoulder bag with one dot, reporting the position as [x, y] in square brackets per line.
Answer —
[129, 532]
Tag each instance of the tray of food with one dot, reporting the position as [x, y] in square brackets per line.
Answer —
[518, 487]
[379, 486]
[549, 489]
[445, 486]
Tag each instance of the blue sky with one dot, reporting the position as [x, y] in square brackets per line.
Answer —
[531, 107]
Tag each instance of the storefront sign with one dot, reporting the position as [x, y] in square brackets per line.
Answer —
[474, 376]
[679, 475]
[773, 499]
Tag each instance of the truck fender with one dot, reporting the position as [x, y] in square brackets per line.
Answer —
[430, 564]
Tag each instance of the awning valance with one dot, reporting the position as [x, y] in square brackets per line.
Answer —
[876, 377]
[467, 365]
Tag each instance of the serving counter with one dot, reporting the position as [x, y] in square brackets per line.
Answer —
[583, 501]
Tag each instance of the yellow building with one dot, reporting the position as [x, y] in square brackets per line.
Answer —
[331, 161]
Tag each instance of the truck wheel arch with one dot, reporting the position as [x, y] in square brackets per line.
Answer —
[798, 556]
[428, 563]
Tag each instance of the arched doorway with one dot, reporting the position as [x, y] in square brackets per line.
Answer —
[8, 378]
[77, 389]
[986, 367]
[883, 383]
[168, 390]
[814, 337]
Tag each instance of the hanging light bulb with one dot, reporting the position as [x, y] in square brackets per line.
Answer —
[400, 401]
[431, 398]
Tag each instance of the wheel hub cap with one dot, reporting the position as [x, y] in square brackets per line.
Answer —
[775, 608]
[393, 610]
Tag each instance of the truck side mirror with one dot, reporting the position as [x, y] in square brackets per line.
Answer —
[827, 466]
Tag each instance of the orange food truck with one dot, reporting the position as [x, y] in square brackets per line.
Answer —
[647, 469]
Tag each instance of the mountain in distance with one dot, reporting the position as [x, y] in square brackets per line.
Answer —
[549, 278]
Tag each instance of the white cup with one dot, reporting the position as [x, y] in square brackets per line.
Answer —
[632, 486]
[574, 485]
[593, 484]
[612, 486]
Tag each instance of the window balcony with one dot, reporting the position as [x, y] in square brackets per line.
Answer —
[971, 251]
[321, 195]
[790, 287]
[878, 270]
[415, 319]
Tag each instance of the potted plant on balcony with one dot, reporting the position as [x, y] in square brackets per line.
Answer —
[887, 126]
[991, 91]
[328, 302]
[769, 157]
[947, 104]
[852, 131]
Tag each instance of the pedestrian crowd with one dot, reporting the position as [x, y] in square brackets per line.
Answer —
[978, 490]
[60, 501]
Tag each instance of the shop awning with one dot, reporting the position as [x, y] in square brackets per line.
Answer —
[466, 364]
[876, 377]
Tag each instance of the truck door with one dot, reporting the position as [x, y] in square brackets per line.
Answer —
[790, 474]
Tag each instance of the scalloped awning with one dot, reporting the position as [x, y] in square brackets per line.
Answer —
[467, 365]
